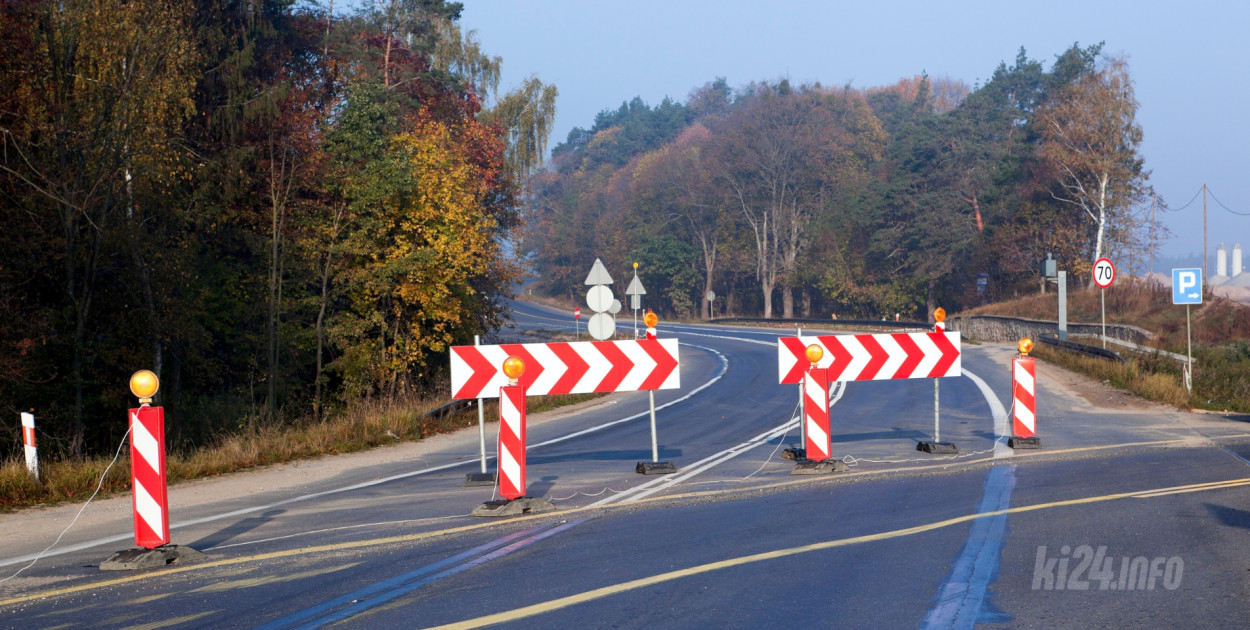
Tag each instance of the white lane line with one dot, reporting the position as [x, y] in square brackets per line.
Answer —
[837, 390]
[772, 344]
[706, 463]
[724, 366]
[998, 411]
[663, 483]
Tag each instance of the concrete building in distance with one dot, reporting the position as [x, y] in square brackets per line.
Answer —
[1235, 277]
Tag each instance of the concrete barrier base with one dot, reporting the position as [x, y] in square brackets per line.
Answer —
[515, 507]
[938, 448]
[1024, 442]
[794, 453]
[826, 467]
[655, 468]
[140, 558]
[479, 479]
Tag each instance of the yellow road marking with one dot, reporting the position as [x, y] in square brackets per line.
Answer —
[269, 579]
[599, 593]
[145, 600]
[406, 538]
[177, 621]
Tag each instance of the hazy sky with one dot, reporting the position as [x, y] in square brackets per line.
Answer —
[1189, 61]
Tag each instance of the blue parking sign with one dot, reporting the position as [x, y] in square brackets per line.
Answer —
[1187, 286]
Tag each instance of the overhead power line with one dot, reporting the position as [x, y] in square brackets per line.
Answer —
[1230, 210]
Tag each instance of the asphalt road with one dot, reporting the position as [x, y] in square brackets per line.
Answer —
[1125, 517]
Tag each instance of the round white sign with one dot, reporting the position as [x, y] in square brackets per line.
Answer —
[1104, 272]
[599, 298]
[615, 308]
[601, 326]
[710, 295]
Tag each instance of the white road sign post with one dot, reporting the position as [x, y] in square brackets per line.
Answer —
[601, 325]
[635, 293]
[1187, 289]
[1104, 275]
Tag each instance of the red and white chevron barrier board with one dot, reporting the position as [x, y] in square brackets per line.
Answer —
[512, 442]
[872, 357]
[816, 414]
[567, 368]
[1023, 397]
[147, 471]
[28, 440]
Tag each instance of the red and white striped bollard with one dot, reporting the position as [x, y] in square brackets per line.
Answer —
[1024, 398]
[28, 440]
[147, 472]
[512, 432]
[147, 465]
[816, 407]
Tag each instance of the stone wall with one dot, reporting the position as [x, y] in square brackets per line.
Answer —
[996, 328]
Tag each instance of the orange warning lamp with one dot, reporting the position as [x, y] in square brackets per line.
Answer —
[650, 319]
[144, 385]
[1025, 346]
[815, 353]
[939, 315]
[513, 368]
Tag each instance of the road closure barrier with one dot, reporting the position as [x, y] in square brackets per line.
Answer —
[578, 367]
[1024, 398]
[869, 357]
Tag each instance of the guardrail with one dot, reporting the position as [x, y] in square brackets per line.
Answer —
[833, 323]
[1080, 347]
[1149, 350]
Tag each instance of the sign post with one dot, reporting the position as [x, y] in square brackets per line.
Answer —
[1104, 275]
[577, 323]
[937, 446]
[635, 293]
[1187, 289]
[601, 325]
[483, 478]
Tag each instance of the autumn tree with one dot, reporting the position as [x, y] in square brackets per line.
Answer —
[1090, 140]
[775, 155]
[99, 103]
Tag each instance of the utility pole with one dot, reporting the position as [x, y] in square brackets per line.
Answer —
[1153, 200]
[1205, 271]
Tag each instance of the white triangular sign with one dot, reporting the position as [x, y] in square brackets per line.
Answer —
[598, 274]
[635, 288]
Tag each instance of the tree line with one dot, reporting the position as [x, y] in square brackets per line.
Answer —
[279, 210]
[851, 202]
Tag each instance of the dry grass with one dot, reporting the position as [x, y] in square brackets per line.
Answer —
[364, 426]
[1131, 376]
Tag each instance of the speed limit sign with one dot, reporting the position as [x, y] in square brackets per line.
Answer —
[1104, 272]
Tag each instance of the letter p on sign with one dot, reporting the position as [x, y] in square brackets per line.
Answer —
[1187, 286]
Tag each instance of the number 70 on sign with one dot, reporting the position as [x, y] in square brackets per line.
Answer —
[1104, 272]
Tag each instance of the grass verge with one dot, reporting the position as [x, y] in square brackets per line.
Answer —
[1219, 378]
[367, 425]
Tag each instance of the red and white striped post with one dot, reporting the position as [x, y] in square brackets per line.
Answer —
[816, 407]
[1024, 398]
[816, 414]
[512, 432]
[28, 440]
[650, 319]
[147, 464]
[149, 499]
